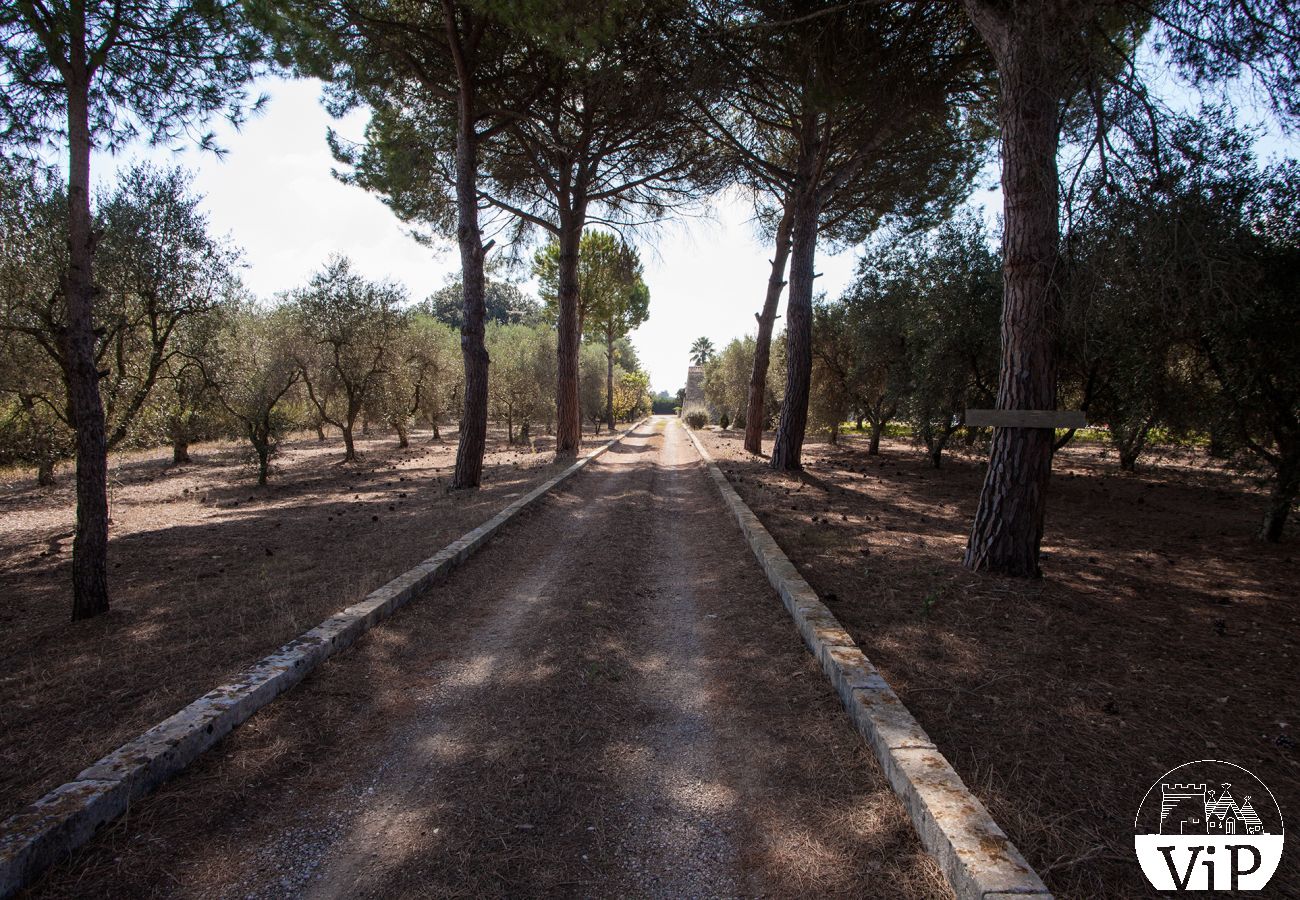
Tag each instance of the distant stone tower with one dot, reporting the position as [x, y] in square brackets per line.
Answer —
[694, 399]
[1182, 809]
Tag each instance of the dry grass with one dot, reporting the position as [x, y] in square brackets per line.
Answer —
[1163, 632]
[208, 572]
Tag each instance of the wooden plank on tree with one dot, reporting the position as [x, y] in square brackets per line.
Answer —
[1026, 418]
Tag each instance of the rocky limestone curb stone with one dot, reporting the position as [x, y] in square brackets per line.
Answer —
[977, 858]
[68, 816]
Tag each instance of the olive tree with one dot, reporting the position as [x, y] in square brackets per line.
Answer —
[347, 327]
[253, 371]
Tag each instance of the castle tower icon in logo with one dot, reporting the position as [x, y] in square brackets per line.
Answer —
[1182, 809]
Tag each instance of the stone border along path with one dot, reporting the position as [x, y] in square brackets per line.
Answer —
[976, 857]
[68, 816]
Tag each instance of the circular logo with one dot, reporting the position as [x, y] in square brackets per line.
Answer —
[1208, 825]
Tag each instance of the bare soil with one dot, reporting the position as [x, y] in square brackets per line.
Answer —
[1162, 632]
[607, 700]
[208, 573]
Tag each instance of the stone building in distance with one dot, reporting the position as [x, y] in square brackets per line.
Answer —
[694, 400]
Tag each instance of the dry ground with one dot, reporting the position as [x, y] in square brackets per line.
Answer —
[607, 700]
[208, 573]
[1163, 632]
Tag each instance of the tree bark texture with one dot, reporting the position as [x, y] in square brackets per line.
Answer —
[609, 379]
[90, 546]
[473, 423]
[755, 413]
[1008, 527]
[568, 412]
[787, 448]
[1285, 492]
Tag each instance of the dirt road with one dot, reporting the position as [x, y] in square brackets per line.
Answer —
[608, 700]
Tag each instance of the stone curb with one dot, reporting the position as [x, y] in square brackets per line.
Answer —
[68, 816]
[977, 858]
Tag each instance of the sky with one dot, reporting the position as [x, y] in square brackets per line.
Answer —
[272, 191]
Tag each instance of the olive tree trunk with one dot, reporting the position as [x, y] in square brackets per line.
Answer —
[754, 410]
[349, 444]
[1286, 490]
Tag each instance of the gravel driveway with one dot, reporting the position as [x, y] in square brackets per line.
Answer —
[608, 700]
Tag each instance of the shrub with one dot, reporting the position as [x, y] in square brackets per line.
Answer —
[725, 421]
[696, 420]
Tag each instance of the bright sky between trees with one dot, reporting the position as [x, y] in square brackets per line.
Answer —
[273, 192]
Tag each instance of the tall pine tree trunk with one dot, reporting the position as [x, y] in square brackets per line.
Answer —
[754, 410]
[609, 378]
[1008, 526]
[568, 412]
[90, 546]
[474, 417]
[787, 449]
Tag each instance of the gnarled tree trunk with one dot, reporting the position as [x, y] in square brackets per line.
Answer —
[754, 410]
[349, 444]
[1286, 490]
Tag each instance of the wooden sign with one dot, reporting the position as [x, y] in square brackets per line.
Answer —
[1026, 418]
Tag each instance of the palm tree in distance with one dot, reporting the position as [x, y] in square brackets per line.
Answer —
[701, 351]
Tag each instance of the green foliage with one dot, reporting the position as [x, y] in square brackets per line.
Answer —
[347, 327]
[611, 293]
[1196, 266]
[701, 351]
[663, 403]
[521, 382]
[162, 277]
[726, 380]
[918, 332]
[697, 420]
[252, 371]
[153, 68]
[631, 396]
[504, 302]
